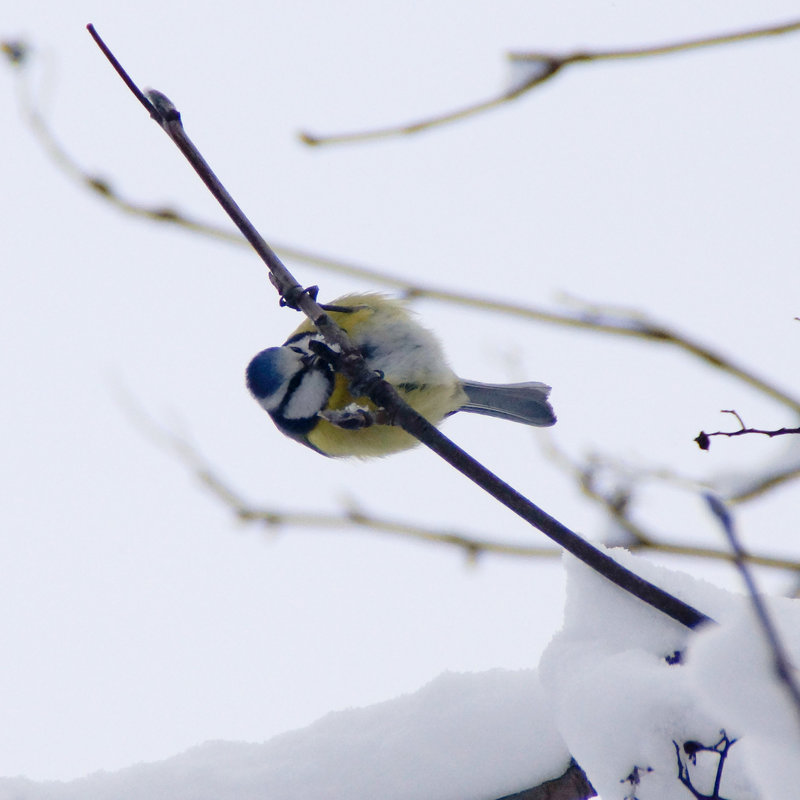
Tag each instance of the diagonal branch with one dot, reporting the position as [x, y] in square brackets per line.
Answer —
[546, 66]
[784, 669]
[353, 368]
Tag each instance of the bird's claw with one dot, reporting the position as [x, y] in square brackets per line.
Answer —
[352, 418]
[291, 297]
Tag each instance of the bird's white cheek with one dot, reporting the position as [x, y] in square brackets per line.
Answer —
[309, 397]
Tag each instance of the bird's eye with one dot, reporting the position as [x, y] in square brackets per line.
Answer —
[299, 350]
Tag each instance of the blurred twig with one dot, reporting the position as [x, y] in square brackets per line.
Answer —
[545, 66]
[355, 518]
[616, 502]
[352, 517]
[601, 319]
[761, 484]
[783, 667]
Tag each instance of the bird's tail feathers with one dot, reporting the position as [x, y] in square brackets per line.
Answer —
[518, 402]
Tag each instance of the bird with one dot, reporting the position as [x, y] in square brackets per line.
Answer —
[303, 394]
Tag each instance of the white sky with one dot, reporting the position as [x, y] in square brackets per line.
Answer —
[139, 618]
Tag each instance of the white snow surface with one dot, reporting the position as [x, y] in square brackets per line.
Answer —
[462, 737]
[621, 707]
[605, 694]
[734, 677]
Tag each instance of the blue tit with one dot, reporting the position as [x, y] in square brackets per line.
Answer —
[297, 387]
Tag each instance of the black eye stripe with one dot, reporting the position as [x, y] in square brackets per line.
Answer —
[301, 339]
[296, 380]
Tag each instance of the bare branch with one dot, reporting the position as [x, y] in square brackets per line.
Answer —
[703, 439]
[784, 670]
[764, 483]
[691, 749]
[353, 518]
[547, 66]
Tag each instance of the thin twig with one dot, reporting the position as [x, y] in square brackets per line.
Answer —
[550, 68]
[764, 483]
[703, 438]
[351, 518]
[692, 748]
[783, 666]
[549, 64]
[353, 368]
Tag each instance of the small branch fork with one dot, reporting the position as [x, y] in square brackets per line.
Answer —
[352, 366]
[703, 439]
[691, 749]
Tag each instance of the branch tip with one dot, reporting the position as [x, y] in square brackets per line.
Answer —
[121, 71]
[703, 442]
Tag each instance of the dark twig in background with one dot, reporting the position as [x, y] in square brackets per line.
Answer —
[352, 366]
[784, 669]
[703, 438]
[545, 66]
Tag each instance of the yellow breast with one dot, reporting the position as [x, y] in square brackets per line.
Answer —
[425, 382]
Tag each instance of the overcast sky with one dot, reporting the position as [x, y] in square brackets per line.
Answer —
[139, 617]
